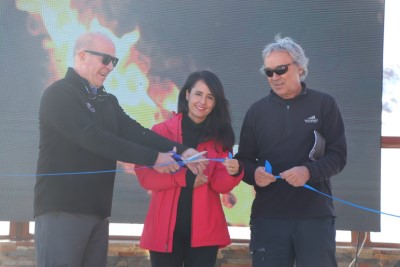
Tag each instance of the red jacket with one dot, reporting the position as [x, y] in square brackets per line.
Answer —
[209, 226]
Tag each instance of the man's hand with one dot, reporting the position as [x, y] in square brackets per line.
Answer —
[200, 180]
[195, 167]
[296, 176]
[165, 163]
[263, 178]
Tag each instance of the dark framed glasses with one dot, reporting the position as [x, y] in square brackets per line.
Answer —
[279, 70]
[106, 58]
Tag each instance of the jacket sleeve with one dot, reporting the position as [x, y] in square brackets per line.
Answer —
[247, 152]
[334, 159]
[220, 180]
[152, 180]
[65, 112]
[135, 132]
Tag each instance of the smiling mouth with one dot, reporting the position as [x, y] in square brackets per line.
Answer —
[278, 84]
[201, 108]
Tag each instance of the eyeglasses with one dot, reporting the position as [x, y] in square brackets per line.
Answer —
[106, 58]
[279, 70]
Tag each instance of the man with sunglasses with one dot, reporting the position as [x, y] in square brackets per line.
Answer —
[83, 133]
[290, 224]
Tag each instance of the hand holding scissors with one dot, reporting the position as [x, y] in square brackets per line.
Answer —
[193, 160]
[165, 163]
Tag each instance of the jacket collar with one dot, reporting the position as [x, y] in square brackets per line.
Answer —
[279, 99]
[79, 82]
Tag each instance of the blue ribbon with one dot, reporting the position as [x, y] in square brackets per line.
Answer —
[268, 168]
[180, 161]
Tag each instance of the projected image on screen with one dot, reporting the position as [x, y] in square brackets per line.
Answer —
[159, 43]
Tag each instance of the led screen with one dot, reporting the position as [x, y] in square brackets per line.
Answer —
[159, 43]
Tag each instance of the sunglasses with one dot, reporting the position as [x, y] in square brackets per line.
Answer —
[106, 58]
[279, 70]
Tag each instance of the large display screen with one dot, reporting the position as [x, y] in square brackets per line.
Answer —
[159, 43]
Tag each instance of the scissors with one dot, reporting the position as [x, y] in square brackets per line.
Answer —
[194, 158]
[200, 159]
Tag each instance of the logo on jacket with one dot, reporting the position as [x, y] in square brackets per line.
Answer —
[311, 119]
[90, 107]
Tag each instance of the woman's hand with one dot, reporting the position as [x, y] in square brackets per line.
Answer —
[200, 180]
[231, 165]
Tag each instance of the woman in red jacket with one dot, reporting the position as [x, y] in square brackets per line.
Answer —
[185, 223]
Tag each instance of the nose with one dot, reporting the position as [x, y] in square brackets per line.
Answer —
[110, 66]
[275, 76]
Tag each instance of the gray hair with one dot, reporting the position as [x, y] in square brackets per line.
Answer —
[286, 44]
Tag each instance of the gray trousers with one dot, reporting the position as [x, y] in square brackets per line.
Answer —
[71, 240]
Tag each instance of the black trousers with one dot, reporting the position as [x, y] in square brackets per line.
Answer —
[185, 255]
[284, 243]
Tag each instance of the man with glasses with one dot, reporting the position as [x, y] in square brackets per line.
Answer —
[291, 224]
[83, 133]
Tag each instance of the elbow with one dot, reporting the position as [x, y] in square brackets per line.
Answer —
[144, 185]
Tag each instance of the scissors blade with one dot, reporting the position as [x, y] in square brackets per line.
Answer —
[194, 157]
[209, 159]
[199, 160]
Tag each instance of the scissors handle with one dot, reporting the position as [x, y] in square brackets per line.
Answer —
[177, 158]
[182, 162]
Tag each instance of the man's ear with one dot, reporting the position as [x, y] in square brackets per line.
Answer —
[82, 56]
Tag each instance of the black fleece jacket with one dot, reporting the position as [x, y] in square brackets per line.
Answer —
[79, 134]
[281, 131]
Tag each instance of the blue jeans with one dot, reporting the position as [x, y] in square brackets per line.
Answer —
[284, 242]
[70, 239]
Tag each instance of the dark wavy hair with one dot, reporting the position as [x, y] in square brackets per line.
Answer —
[218, 124]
